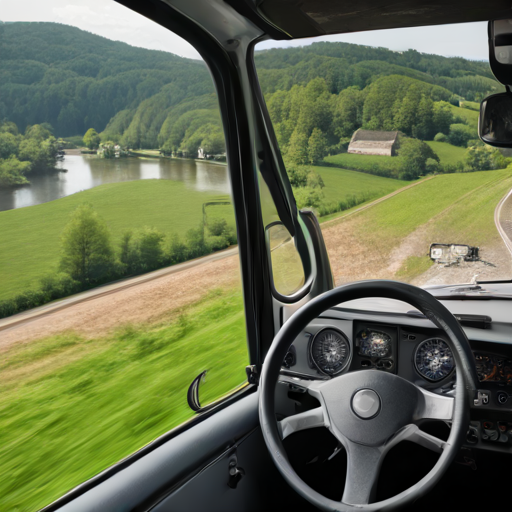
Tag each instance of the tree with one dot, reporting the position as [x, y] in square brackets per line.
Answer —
[87, 254]
[92, 139]
[149, 243]
[414, 155]
[12, 172]
[316, 146]
[298, 148]
[443, 117]
[8, 145]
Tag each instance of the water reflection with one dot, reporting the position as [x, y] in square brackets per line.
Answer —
[85, 172]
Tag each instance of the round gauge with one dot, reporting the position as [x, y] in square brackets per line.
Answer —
[373, 343]
[434, 359]
[329, 351]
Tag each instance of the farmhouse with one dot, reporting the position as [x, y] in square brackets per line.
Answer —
[366, 142]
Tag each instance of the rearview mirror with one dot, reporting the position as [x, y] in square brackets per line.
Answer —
[495, 122]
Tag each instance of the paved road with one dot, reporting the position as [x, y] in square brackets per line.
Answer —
[503, 220]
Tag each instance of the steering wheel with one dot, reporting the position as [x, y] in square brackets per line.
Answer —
[370, 411]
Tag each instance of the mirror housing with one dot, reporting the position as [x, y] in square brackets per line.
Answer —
[500, 50]
[495, 121]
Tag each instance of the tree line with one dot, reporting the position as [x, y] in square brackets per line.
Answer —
[89, 257]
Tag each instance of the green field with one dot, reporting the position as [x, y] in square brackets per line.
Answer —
[365, 163]
[70, 407]
[340, 183]
[31, 236]
[469, 116]
[447, 153]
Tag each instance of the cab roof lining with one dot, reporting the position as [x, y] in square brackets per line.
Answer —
[296, 19]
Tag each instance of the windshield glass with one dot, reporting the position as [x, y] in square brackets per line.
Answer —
[382, 143]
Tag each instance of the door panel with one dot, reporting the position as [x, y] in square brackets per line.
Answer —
[149, 479]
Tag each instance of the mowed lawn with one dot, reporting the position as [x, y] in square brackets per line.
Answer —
[342, 183]
[70, 407]
[364, 163]
[30, 237]
[447, 153]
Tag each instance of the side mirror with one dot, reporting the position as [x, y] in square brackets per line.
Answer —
[495, 121]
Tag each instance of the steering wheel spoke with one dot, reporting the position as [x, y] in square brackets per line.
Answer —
[309, 419]
[363, 468]
[432, 406]
[416, 435]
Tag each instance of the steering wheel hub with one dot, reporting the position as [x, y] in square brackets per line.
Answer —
[366, 404]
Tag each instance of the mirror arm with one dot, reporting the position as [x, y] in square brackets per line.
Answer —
[193, 392]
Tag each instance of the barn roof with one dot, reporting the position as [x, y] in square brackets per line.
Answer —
[373, 136]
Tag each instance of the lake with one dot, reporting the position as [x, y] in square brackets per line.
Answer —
[88, 171]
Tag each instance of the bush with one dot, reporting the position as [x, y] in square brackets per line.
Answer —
[441, 137]
[216, 227]
[432, 166]
[460, 134]
[308, 197]
[177, 250]
[56, 286]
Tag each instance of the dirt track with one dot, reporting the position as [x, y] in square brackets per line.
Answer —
[150, 301]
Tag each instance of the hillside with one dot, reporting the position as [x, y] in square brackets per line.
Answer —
[75, 80]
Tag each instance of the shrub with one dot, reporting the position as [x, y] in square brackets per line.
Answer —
[216, 227]
[441, 137]
[177, 250]
[56, 286]
[460, 134]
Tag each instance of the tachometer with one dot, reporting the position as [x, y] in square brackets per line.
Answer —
[434, 359]
[371, 343]
[329, 351]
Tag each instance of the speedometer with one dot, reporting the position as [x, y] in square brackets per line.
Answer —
[434, 359]
[330, 351]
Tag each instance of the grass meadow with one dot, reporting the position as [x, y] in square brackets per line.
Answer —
[342, 183]
[365, 163]
[31, 236]
[469, 116]
[70, 407]
[447, 153]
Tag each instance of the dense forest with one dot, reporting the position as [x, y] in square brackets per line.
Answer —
[317, 94]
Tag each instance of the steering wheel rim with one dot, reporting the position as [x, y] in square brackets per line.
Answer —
[466, 387]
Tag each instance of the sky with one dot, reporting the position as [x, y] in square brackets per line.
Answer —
[109, 19]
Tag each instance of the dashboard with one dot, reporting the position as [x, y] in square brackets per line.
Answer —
[391, 336]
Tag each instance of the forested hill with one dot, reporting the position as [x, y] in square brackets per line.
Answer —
[75, 80]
